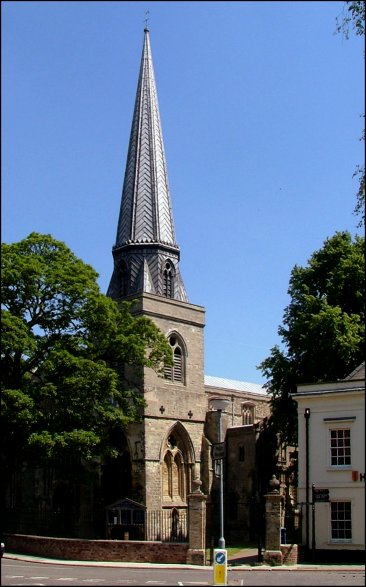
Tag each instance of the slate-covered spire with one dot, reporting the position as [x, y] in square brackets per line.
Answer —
[146, 256]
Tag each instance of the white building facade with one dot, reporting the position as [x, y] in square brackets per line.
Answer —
[331, 482]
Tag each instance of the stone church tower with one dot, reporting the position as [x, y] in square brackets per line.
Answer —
[163, 452]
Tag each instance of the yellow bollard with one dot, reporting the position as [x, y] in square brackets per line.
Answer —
[220, 566]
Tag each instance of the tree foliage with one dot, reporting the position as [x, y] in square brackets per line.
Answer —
[355, 16]
[360, 195]
[63, 347]
[323, 331]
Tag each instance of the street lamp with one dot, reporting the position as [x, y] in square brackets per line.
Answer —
[219, 405]
[307, 497]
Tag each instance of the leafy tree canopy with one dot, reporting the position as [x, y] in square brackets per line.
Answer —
[323, 330]
[63, 347]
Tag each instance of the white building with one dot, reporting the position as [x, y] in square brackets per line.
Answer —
[331, 427]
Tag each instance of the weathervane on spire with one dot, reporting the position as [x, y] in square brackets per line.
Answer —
[146, 18]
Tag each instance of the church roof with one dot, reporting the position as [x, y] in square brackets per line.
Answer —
[234, 385]
[146, 213]
[358, 373]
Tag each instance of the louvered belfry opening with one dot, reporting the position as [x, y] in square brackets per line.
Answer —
[168, 281]
[175, 372]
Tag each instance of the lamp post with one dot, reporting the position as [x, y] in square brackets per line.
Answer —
[307, 467]
[219, 406]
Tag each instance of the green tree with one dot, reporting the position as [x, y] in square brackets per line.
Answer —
[355, 16]
[64, 345]
[323, 331]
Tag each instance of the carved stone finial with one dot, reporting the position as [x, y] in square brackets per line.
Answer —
[274, 484]
[197, 485]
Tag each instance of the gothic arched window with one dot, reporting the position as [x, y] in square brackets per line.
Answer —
[174, 482]
[167, 477]
[247, 411]
[168, 281]
[175, 372]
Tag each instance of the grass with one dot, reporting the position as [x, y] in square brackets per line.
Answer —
[232, 549]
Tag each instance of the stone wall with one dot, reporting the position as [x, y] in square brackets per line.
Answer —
[170, 402]
[98, 550]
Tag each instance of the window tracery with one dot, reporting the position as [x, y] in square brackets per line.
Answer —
[175, 372]
[173, 473]
[168, 281]
[247, 411]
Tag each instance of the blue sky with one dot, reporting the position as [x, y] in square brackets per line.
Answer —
[260, 105]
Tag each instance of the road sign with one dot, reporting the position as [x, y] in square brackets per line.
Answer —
[218, 451]
[220, 557]
[320, 494]
[220, 567]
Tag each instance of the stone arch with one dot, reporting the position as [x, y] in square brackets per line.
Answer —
[176, 461]
[182, 342]
[177, 371]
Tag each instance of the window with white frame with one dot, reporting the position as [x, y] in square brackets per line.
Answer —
[340, 447]
[341, 521]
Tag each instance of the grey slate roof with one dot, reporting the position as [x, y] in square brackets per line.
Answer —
[354, 382]
[234, 385]
[146, 214]
[146, 255]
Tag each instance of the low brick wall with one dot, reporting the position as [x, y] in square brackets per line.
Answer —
[97, 550]
[290, 554]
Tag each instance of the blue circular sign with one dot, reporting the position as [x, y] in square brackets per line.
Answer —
[220, 558]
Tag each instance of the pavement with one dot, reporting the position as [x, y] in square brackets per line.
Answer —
[245, 559]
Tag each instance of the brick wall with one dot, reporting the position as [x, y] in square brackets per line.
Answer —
[290, 554]
[97, 550]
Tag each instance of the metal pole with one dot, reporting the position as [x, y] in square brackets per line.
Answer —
[307, 416]
[313, 523]
[221, 539]
[259, 526]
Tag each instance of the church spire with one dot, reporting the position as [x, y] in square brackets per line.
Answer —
[146, 255]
